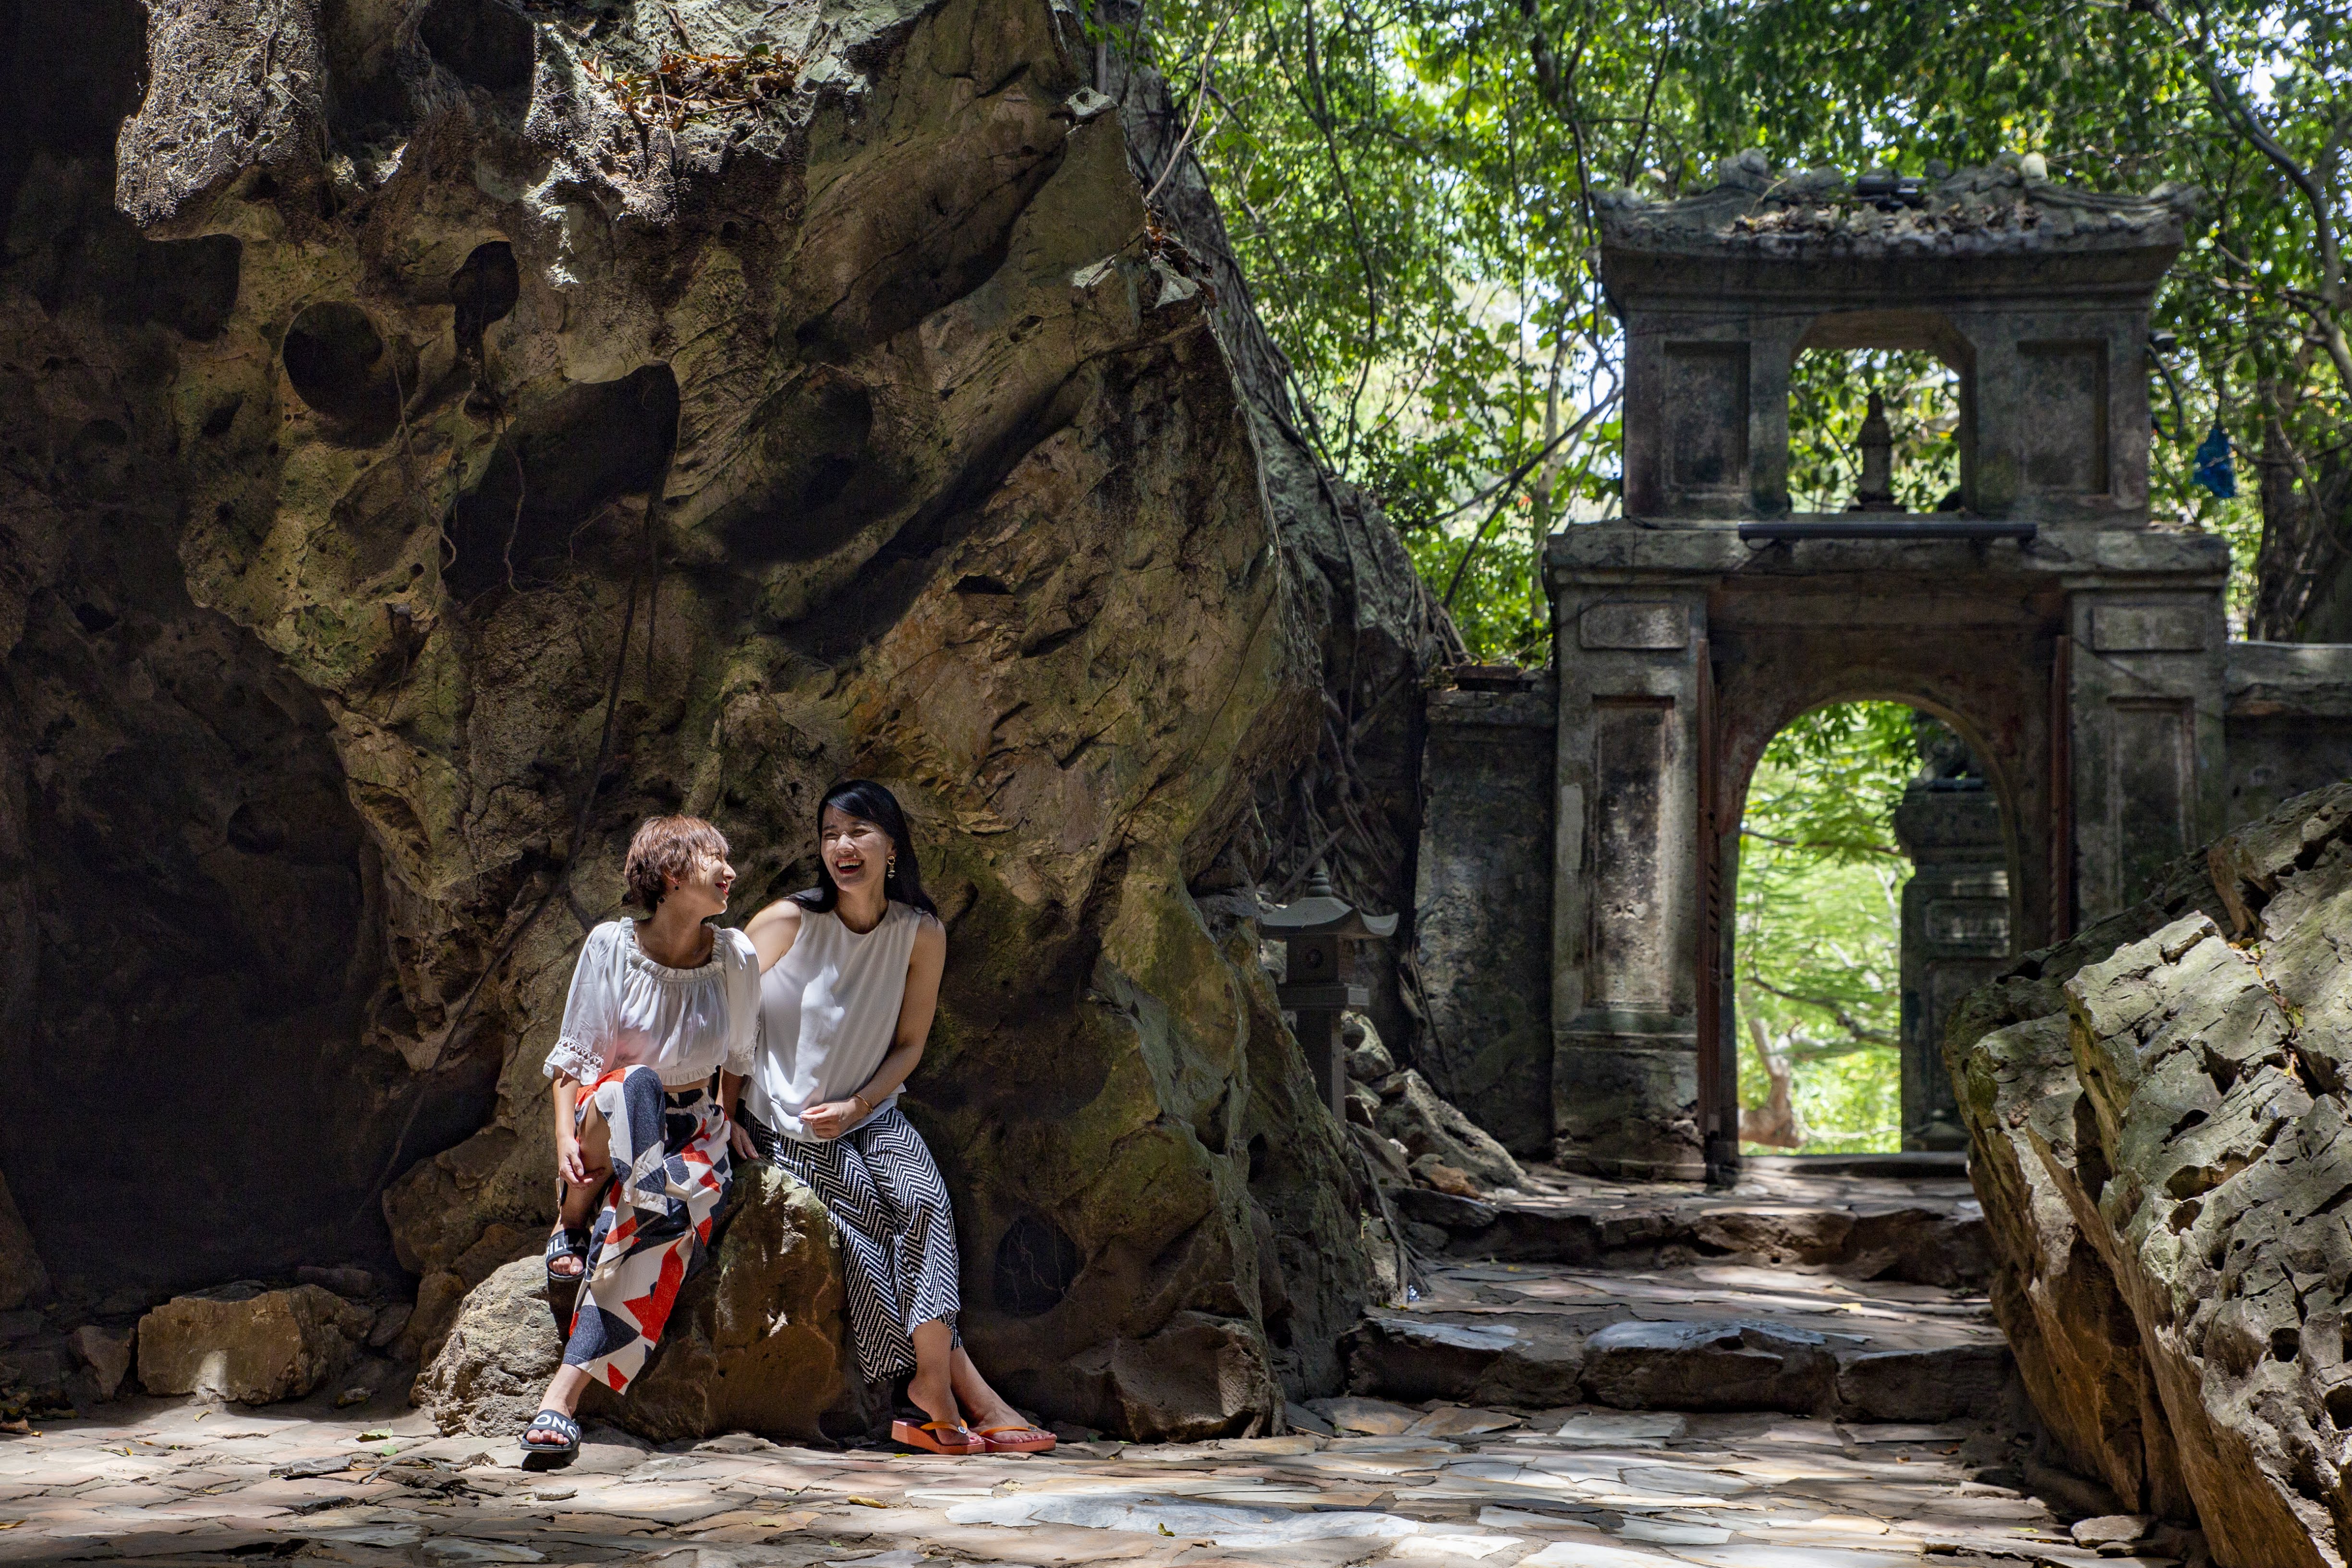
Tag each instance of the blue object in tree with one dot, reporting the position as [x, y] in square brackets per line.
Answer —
[2215, 469]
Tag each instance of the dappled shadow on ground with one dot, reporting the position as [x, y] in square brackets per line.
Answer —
[168, 1482]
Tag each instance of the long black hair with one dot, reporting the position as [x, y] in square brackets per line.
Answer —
[863, 799]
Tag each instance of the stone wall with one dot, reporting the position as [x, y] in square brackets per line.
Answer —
[469, 461]
[2289, 716]
[1482, 909]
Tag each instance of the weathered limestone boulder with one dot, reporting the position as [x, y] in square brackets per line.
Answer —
[758, 1340]
[107, 1355]
[755, 1342]
[1426, 1124]
[1368, 1061]
[249, 1344]
[464, 462]
[441, 1294]
[2157, 1116]
[1199, 1377]
[495, 1356]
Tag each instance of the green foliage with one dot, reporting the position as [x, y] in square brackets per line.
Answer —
[1819, 913]
[1409, 186]
[1409, 182]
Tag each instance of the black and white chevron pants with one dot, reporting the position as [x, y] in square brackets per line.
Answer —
[897, 1231]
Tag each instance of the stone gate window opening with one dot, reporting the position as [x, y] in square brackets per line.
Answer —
[1831, 427]
[1872, 891]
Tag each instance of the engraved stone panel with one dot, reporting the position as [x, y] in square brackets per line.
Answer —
[2150, 786]
[2065, 423]
[1629, 956]
[1635, 626]
[1968, 923]
[1706, 408]
[2148, 628]
[1988, 881]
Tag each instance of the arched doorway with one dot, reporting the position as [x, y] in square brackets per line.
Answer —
[1869, 886]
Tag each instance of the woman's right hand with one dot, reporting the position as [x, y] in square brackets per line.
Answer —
[740, 1137]
[827, 1121]
[568, 1163]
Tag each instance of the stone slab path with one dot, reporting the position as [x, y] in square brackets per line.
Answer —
[172, 1483]
[1844, 1289]
[1855, 1217]
[1722, 1336]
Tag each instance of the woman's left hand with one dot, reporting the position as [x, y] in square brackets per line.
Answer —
[830, 1120]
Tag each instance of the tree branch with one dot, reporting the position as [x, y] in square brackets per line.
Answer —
[1863, 1033]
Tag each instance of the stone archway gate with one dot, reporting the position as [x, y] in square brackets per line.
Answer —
[2081, 651]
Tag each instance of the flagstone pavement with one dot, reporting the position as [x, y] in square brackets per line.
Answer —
[169, 1483]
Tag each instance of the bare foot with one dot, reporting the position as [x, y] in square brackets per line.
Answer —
[995, 1413]
[565, 1265]
[934, 1394]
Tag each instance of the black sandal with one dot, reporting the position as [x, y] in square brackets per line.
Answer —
[548, 1455]
[563, 1289]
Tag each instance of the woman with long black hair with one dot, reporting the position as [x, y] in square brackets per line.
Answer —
[845, 1013]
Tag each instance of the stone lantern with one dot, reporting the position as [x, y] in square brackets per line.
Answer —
[1318, 932]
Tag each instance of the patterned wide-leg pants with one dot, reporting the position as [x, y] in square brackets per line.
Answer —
[670, 1173]
[891, 1210]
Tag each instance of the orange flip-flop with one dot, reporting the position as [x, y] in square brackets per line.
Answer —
[1039, 1441]
[920, 1437]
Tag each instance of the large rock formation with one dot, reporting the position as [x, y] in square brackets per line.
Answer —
[2159, 1122]
[500, 434]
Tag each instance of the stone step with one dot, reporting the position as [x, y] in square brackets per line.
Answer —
[1706, 1338]
[1846, 1214]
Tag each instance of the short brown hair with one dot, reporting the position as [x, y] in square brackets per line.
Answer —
[665, 847]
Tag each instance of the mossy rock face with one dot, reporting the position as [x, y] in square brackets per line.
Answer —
[459, 471]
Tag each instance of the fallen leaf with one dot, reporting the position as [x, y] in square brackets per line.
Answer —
[1165, 1531]
[866, 1501]
[377, 1436]
[10, 1525]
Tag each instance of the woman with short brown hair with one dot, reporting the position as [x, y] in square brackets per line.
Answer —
[657, 1007]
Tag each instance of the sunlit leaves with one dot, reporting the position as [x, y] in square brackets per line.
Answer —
[1817, 946]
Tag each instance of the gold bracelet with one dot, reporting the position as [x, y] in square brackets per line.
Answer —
[866, 1106]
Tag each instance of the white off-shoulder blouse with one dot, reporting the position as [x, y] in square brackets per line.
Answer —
[685, 1024]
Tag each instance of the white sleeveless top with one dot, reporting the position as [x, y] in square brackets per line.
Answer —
[829, 1012]
[685, 1024]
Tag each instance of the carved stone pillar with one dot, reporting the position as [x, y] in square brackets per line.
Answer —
[1627, 853]
[2148, 767]
[1957, 925]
